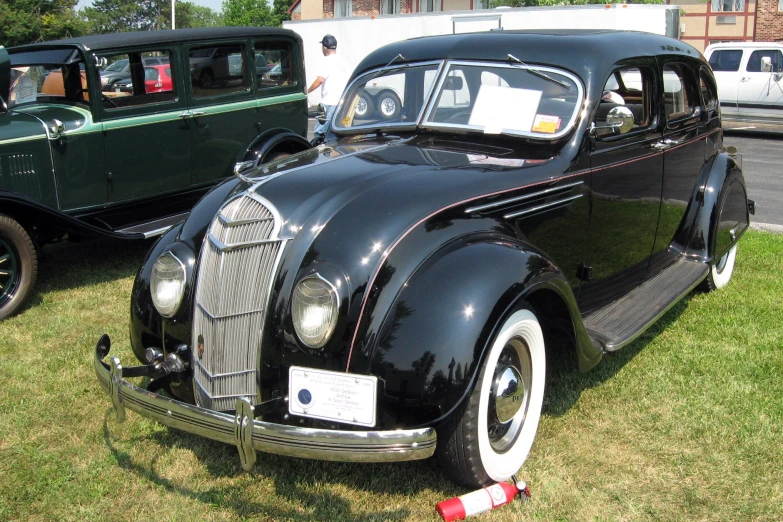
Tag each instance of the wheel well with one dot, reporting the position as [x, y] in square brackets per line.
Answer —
[557, 326]
[289, 147]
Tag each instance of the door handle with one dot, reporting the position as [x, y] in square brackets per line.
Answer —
[186, 114]
[665, 144]
[197, 113]
[745, 79]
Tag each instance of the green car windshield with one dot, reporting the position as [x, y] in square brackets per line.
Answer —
[487, 97]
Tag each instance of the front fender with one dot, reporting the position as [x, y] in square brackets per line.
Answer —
[434, 337]
[45, 223]
[724, 214]
[269, 142]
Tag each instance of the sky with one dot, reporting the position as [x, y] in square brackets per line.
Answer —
[215, 5]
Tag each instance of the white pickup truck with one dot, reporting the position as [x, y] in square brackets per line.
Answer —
[750, 81]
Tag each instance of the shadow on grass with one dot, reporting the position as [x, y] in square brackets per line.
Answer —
[297, 482]
[66, 266]
[565, 383]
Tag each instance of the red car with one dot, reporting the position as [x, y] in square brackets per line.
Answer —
[157, 78]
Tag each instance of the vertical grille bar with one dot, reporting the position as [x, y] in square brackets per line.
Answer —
[232, 293]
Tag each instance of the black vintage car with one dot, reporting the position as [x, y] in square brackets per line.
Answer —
[85, 155]
[395, 293]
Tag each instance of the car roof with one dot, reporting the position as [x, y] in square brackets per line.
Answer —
[130, 39]
[745, 45]
[575, 50]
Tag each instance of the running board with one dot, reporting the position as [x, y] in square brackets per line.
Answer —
[622, 321]
[154, 228]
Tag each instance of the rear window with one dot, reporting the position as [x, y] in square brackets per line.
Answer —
[726, 59]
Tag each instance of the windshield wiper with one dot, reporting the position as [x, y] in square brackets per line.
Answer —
[538, 73]
[383, 69]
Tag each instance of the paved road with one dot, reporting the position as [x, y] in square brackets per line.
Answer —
[762, 164]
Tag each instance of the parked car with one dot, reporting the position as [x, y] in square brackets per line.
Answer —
[130, 162]
[750, 81]
[120, 70]
[395, 292]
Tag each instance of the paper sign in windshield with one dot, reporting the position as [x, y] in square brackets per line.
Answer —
[505, 108]
[546, 124]
[25, 89]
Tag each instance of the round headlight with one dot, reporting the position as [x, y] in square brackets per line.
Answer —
[167, 284]
[104, 80]
[314, 309]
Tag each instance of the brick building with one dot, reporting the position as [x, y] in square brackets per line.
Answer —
[316, 9]
[769, 21]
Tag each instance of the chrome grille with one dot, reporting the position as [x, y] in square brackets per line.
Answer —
[238, 262]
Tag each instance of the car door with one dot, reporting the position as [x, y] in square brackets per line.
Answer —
[684, 143]
[725, 65]
[146, 140]
[760, 91]
[222, 109]
[626, 181]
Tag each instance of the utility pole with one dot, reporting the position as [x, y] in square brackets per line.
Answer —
[173, 25]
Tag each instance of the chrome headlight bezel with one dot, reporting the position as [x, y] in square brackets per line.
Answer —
[318, 335]
[170, 306]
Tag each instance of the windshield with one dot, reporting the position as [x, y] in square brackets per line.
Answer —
[391, 97]
[48, 83]
[492, 98]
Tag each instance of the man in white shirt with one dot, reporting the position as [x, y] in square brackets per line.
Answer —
[333, 75]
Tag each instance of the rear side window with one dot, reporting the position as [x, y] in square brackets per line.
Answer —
[274, 65]
[726, 60]
[709, 94]
[679, 95]
[217, 70]
[771, 57]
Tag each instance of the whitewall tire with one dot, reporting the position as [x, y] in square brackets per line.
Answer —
[720, 273]
[489, 438]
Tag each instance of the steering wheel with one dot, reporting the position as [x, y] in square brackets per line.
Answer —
[461, 114]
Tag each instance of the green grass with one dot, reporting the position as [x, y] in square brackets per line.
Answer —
[684, 424]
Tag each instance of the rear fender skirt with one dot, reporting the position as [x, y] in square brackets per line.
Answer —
[432, 341]
[273, 140]
[49, 222]
[723, 214]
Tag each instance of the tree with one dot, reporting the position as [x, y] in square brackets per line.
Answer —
[111, 16]
[249, 12]
[27, 21]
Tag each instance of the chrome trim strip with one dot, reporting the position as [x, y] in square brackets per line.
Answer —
[213, 397]
[203, 369]
[201, 307]
[251, 435]
[156, 232]
[228, 248]
[542, 207]
[522, 198]
[238, 222]
[270, 287]
[562, 72]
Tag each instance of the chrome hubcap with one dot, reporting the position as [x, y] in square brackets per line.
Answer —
[361, 107]
[510, 395]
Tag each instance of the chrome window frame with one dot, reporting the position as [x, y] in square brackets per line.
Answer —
[398, 125]
[565, 130]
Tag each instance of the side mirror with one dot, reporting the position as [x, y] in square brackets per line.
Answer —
[321, 114]
[101, 62]
[619, 120]
[453, 83]
[766, 64]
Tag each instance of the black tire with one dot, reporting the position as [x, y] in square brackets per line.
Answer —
[388, 105]
[364, 107]
[474, 447]
[18, 266]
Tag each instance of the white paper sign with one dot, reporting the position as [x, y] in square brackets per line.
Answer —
[335, 396]
[505, 108]
[25, 90]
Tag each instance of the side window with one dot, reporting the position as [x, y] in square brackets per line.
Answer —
[217, 70]
[629, 87]
[767, 60]
[726, 60]
[138, 78]
[679, 96]
[274, 65]
[709, 93]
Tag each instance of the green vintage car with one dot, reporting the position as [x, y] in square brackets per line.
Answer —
[81, 157]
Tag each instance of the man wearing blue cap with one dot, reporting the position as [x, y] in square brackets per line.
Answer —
[333, 74]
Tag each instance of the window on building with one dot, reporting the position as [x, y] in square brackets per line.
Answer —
[431, 6]
[729, 5]
[726, 60]
[391, 7]
[343, 8]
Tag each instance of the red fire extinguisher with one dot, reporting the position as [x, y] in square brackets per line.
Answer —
[482, 500]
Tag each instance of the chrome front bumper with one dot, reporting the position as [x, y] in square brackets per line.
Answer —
[249, 435]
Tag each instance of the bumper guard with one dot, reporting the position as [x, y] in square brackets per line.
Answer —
[250, 435]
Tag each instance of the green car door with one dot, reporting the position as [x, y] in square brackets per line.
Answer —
[146, 132]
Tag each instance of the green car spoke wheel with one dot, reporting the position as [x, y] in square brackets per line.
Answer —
[18, 266]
